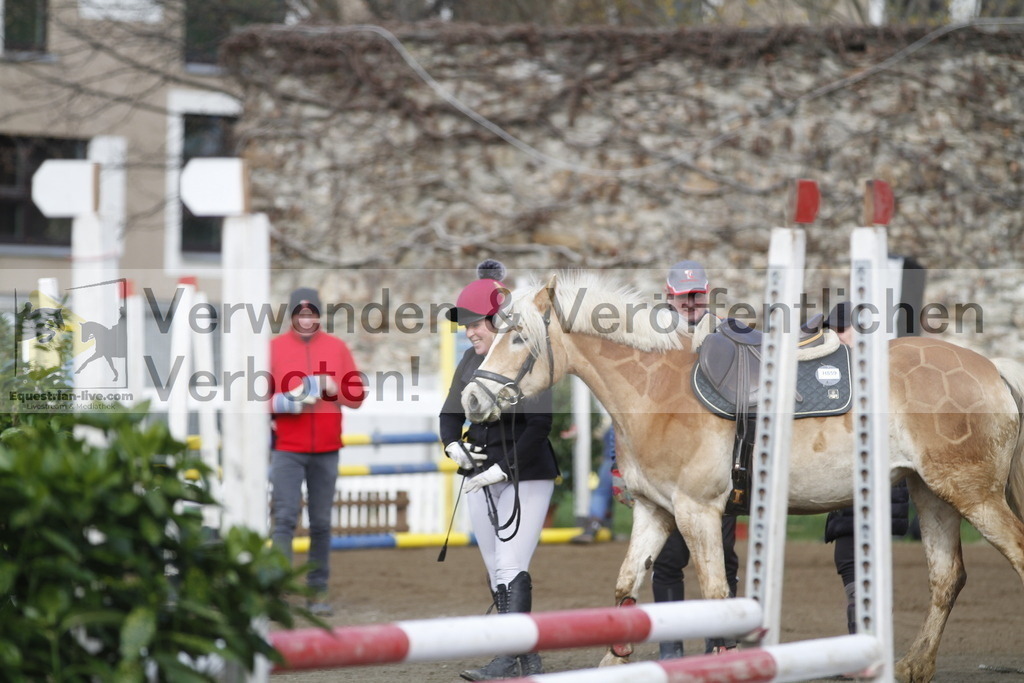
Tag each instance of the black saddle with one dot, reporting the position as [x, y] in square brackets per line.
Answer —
[726, 377]
[730, 360]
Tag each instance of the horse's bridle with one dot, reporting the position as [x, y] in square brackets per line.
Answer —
[516, 395]
[513, 384]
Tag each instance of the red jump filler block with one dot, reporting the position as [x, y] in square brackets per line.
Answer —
[878, 203]
[804, 200]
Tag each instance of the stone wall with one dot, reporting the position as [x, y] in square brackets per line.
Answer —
[629, 150]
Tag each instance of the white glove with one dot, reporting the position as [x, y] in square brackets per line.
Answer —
[492, 475]
[327, 386]
[283, 404]
[456, 450]
[306, 392]
[467, 456]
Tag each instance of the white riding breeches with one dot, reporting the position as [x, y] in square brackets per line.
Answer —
[505, 559]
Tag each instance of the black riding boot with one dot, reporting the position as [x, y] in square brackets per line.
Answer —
[520, 599]
[669, 649]
[502, 666]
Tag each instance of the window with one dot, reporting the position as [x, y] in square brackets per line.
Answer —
[205, 136]
[1002, 8]
[20, 221]
[208, 23]
[24, 25]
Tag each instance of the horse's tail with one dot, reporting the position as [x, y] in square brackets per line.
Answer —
[1012, 373]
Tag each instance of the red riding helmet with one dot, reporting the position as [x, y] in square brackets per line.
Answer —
[478, 300]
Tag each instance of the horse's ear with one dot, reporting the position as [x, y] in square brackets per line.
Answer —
[549, 289]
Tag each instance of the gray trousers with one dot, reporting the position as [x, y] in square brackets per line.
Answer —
[320, 472]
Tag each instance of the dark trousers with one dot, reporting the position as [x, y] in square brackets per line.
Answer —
[320, 472]
[668, 567]
[845, 565]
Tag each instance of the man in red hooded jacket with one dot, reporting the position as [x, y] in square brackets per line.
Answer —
[314, 376]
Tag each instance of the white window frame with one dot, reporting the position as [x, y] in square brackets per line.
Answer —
[179, 104]
[141, 11]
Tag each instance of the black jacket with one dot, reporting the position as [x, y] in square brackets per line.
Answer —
[841, 522]
[516, 441]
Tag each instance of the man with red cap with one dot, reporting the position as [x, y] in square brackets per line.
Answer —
[686, 289]
[508, 465]
[314, 375]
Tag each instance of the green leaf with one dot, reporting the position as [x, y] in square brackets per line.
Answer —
[98, 617]
[129, 671]
[193, 645]
[151, 531]
[13, 435]
[62, 543]
[8, 572]
[175, 671]
[52, 600]
[137, 632]
[157, 502]
[10, 655]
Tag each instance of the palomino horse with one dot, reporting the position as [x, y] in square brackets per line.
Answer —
[955, 434]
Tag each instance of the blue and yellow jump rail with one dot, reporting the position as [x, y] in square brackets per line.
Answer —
[446, 466]
[389, 439]
[411, 540]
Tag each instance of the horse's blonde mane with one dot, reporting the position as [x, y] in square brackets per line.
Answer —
[588, 305]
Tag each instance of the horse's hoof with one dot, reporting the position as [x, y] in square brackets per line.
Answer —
[610, 659]
[914, 672]
[623, 650]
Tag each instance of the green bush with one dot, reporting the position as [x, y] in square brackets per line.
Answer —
[106, 570]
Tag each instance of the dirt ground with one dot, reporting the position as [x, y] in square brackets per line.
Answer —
[983, 641]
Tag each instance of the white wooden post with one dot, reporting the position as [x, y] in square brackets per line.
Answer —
[136, 325]
[869, 276]
[769, 495]
[581, 449]
[246, 352]
[220, 187]
[70, 188]
[179, 369]
[207, 406]
[769, 489]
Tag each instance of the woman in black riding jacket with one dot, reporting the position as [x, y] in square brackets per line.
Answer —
[509, 469]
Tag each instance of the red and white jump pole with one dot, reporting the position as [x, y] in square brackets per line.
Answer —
[458, 637]
[800, 661]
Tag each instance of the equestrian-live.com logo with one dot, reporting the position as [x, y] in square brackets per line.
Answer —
[85, 335]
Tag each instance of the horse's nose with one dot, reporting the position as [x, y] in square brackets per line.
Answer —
[473, 403]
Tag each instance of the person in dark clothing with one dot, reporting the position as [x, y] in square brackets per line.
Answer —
[839, 525]
[686, 290]
[509, 468]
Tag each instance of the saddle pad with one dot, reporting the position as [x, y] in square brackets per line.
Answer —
[823, 384]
